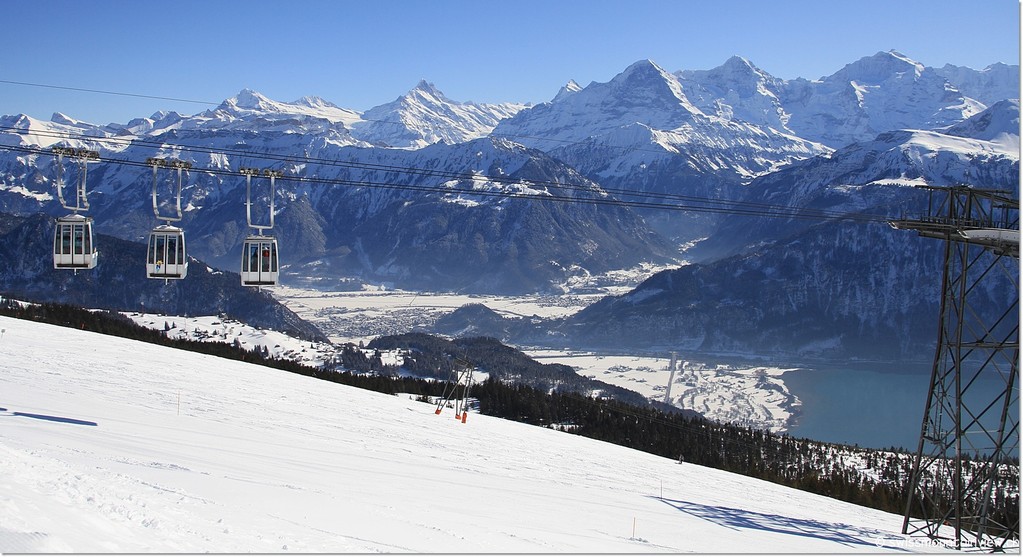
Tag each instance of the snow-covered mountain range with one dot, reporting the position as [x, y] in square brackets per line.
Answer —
[429, 193]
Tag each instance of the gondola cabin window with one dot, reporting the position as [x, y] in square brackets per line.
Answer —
[72, 243]
[166, 255]
[259, 261]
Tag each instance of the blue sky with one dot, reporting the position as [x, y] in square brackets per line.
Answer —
[359, 54]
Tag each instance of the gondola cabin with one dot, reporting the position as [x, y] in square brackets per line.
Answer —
[166, 258]
[72, 243]
[259, 261]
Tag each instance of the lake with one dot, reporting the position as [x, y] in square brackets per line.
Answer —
[869, 408]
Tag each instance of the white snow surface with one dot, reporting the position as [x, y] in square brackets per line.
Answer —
[211, 328]
[110, 446]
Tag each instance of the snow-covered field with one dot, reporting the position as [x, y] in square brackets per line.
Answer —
[109, 445]
[753, 396]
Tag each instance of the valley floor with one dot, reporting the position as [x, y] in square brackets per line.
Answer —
[752, 395]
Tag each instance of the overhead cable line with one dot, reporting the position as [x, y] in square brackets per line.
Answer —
[648, 200]
[100, 91]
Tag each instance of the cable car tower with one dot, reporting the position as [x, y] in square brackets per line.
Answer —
[166, 257]
[967, 461]
[259, 252]
[73, 247]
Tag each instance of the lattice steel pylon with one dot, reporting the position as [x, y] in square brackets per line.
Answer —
[964, 487]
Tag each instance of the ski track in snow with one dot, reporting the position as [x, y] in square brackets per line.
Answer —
[110, 446]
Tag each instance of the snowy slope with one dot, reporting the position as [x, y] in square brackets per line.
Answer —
[109, 445]
[212, 328]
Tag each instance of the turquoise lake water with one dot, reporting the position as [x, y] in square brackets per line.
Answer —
[875, 409]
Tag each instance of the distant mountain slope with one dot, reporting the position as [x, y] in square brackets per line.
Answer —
[879, 93]
[876, 176]
[119, 281]
[836, 292]
[988, 85]
[641, 132]
[832, 288]
[829, 288]
[705, 133]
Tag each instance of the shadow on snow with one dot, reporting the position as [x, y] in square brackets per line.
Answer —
[739, 519]
[58, 419]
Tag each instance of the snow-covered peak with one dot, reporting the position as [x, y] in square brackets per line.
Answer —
[251, 100]
[737, 90]
[739, 66]
[735, 70]
[18, 121]
[879, 68]
[252, 110]
[646, 84]
[315, 102]
[426, 88]
[568, 89]
[61, 118]
[644, 92]
[645, 74]
[424, 116]
[898, 158]
[640, 67]
[249, 103]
